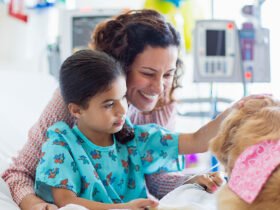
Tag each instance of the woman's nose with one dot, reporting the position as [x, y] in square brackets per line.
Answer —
[158, 85]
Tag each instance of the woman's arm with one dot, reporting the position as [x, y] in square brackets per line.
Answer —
[62, 197]
[161, 184]
[20, 175]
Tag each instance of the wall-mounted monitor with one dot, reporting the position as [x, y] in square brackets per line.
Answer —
[76, 27]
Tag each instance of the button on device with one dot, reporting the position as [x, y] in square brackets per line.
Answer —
[248, 75]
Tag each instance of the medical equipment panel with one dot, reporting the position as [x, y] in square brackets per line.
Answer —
[255, 53]
[222, 53]
[216, 52]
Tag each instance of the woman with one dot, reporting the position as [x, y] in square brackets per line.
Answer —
[147, 47]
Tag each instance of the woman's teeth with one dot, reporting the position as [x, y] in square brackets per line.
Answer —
[152, 97]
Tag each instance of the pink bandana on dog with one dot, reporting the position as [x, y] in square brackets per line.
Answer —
[253, 167]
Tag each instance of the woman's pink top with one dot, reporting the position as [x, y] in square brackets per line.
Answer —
[21, 174]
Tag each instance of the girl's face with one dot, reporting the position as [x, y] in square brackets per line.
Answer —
[106, 111]
[151, 74]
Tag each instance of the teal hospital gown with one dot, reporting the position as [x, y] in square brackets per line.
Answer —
[111, 174]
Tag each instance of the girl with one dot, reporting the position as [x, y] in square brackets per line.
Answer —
[98, 163]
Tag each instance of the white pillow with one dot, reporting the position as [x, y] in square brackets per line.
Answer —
[23, 97]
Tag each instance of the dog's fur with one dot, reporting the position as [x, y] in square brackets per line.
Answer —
[256, 121]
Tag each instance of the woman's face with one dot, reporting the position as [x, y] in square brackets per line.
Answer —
[150, 75]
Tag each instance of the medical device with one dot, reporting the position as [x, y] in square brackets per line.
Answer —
[216, 51]
[255, 53]
[222, 53]
[76, 27]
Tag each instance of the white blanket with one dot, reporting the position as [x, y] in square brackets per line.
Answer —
[186, 197]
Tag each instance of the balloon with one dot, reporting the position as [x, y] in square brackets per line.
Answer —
[179, 13]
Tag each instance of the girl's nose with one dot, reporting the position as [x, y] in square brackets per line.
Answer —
[122, 107]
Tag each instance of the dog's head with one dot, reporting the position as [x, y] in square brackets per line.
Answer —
[257, 120]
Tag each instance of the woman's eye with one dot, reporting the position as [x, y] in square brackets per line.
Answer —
[147, 74]
[168, 75]
[107, 106]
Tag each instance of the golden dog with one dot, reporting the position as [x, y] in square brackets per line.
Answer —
[244, 132]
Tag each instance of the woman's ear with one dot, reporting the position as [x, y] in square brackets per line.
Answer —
[75, 110]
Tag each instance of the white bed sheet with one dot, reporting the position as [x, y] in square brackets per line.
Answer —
[23, 96]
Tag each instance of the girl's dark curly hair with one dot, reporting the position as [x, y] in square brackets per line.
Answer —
[127, 35]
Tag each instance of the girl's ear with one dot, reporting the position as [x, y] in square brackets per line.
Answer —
[75, 110]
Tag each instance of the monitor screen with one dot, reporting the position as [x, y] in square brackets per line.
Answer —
[215, 43]
[82, 30]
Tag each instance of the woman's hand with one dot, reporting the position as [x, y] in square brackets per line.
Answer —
[32, 202]
[44, 206]
[210, 181]
[139, 204]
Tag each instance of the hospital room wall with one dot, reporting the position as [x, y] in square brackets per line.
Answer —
[23, 46]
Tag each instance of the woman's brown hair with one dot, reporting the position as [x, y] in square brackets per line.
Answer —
[127, 35]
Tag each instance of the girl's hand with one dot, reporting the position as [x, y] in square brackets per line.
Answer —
[210, 181]
[241, 102]
[141, 204]
[44, 206]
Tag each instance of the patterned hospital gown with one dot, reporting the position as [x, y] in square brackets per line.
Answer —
[111, 174]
